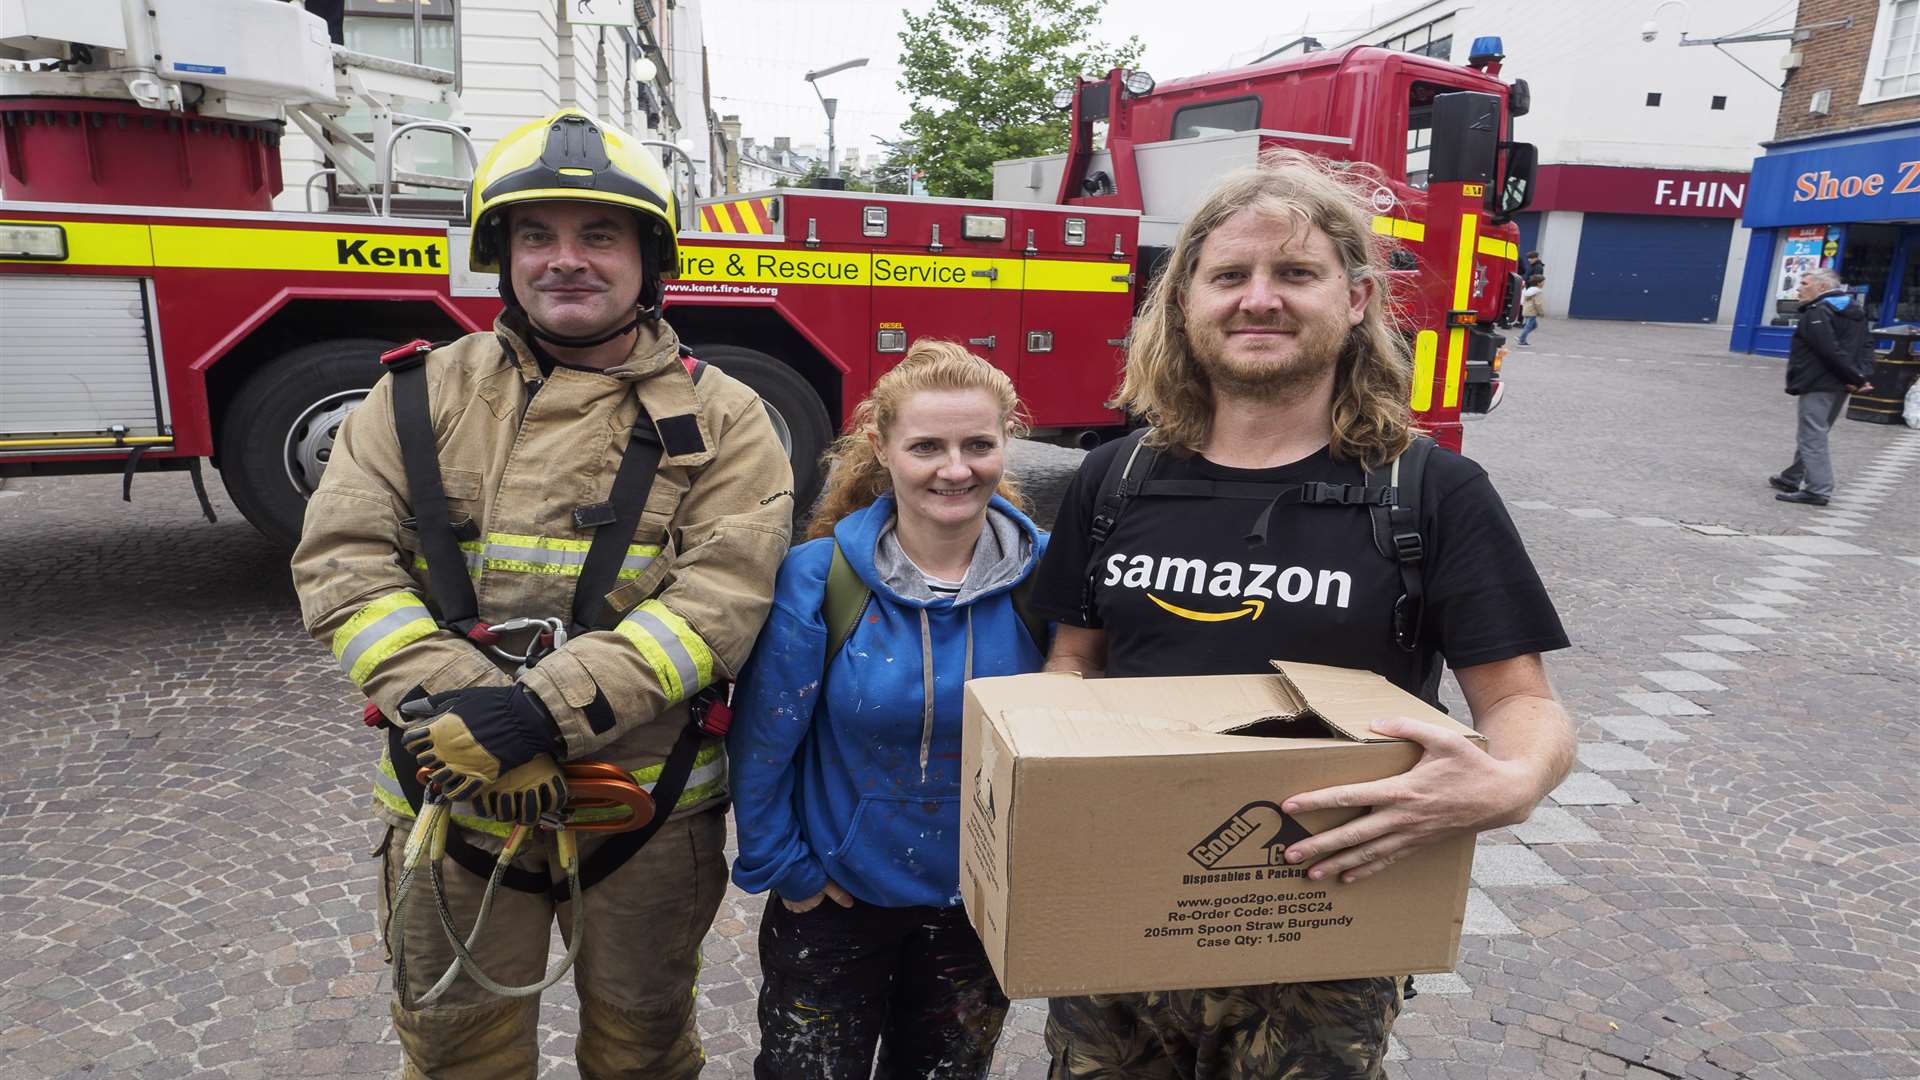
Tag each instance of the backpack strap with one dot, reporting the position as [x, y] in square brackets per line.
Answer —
[1021, 596]
[1117, 487]
[1397, 534]
[846, 599]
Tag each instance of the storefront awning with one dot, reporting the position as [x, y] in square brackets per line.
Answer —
[1875, 181]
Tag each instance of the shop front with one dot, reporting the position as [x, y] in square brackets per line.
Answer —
[1641, 244]
[1847, 203]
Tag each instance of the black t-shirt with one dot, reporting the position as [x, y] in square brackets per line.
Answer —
[1180, 590]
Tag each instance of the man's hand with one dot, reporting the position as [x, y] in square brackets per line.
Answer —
[477, 735]
[1456, 788]
[523, 794]
[801, 907]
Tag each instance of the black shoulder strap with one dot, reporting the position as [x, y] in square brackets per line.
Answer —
[1125, 473]
[447, 576]
[1397, 534]
[614, 523]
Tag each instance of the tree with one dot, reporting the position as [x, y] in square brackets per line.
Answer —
[982, 75]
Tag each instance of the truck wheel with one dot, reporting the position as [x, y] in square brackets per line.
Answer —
[277, 434]
[798, 416]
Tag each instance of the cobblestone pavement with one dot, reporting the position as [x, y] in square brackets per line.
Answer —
[1726, 888]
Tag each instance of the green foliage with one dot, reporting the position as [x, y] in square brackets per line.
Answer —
[982, 75]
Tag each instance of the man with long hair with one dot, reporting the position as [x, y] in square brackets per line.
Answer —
[1267, 366]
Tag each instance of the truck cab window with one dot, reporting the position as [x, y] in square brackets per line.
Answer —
[1217, 118]
[1420, 131]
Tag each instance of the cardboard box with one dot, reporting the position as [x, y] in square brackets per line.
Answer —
[1126, 834]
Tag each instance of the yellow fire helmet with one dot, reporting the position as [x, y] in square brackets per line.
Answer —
[569, 156]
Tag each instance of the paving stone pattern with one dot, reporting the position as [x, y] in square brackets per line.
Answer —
[1726, 887]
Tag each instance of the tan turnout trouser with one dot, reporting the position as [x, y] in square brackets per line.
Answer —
[635, 975]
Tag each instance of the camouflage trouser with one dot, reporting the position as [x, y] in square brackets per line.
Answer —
[635, 975]
[1280, 1031]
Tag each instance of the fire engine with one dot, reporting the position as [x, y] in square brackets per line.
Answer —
[158, 312]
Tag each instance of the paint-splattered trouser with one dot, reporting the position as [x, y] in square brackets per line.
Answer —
[839, 980]
[1279, 1031]
[635, 975]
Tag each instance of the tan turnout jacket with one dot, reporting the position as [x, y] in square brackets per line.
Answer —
[518, 454]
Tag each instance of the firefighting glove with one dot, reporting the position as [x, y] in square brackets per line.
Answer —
[525, 793]
[476, 735]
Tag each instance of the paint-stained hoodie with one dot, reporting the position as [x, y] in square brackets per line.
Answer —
[856, 776]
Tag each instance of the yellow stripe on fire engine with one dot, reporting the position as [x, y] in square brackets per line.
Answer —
[1462, 296]
[1064, 275]
[783, 266]
[778, 266]
[216, 248]
[1424, 345]
[95, 243]
[945, 272]
[1499, 249]
[1400, 228]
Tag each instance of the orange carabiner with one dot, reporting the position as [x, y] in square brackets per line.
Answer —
[597, 785]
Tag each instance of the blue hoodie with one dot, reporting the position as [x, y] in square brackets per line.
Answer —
[858, 782]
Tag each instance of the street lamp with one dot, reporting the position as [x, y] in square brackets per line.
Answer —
[829, 104]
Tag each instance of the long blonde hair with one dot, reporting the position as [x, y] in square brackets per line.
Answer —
[856, 477]
[1167, 387]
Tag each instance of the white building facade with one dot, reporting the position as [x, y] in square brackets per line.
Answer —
[516, 61]
[1644, 146]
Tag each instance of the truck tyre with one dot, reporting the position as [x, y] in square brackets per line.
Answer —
[797, 413]
[278, 432]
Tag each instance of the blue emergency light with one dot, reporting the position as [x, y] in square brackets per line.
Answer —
[1486, 50]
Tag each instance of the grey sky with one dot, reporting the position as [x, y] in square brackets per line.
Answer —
[760, 49]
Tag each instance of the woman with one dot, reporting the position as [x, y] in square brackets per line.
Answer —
[845, 747]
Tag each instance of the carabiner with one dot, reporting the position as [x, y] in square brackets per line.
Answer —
[598, 786]
[552, 635]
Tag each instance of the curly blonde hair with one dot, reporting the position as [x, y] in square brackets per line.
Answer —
[1168, 388]
[855, 475]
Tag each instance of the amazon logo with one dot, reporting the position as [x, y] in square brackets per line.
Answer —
[1225, 591]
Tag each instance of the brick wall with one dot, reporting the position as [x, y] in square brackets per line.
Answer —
[1836, 60]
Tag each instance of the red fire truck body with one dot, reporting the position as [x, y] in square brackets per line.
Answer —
[147, 330]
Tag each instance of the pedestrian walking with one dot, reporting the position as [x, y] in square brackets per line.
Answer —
[846, 741]
[1532, 267]
[1829, 357]
[546, 542]
[1276, 390]
[1532, 305]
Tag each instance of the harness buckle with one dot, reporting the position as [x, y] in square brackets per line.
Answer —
[407, 355]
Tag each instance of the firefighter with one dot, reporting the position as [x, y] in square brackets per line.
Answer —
[587, 481]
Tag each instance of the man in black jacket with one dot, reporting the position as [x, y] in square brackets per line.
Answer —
[1822, 369]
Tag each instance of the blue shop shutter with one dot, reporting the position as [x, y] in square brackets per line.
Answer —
[1650, 269]
[1529, 224]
